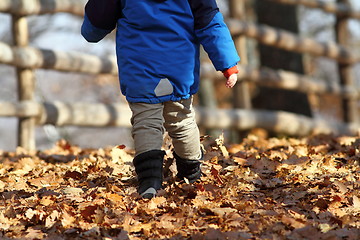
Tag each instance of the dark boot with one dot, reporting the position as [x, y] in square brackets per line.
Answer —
[188, 168]
[148, 167]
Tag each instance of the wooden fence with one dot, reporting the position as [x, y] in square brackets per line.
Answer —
[31, 113]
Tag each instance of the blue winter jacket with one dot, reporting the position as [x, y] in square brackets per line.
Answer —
[157, 44]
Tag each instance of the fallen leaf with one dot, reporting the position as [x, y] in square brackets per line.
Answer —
[154, 203]
[73, 174]
[356, 203]
[34, 234]
[52, 219]
[73, 191]
[222, 212]
[324, 227]
[342, 188]
[292, 222]
[47, 200]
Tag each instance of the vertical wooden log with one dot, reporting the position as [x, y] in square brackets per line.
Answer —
[241, 93]
[26, 83]
[207, 98]
[346, 74]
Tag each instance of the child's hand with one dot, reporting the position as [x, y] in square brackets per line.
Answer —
[231, 76]
[231, 81]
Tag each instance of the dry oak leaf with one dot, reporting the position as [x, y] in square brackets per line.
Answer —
[154, 203]
[47, 200]
[73, 191]
[216, 175]
[120, 156]
[114, 197]
[342, 188]
[220, 143]
[222, 212]
[356, 203]
[133, 226]
[295, 223]
[92, 213]
[240, 161]
[52, 219]
[34, 234]
[68, 219]
[73, 174]
[45, 181]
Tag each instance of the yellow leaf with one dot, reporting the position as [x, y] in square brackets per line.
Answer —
[155, 202]
[220, 143]
[72, 191]
[120, 156]
[356, 202]
[47, 201]
[2, 186]
[292, 222]
[221, 212]
[67, 220]
[324, 227]
[116, 198]
[51, 219]
[343, 189]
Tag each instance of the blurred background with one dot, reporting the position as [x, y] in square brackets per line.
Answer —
[61, 31]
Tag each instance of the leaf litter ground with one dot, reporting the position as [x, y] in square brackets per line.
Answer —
[260, 189]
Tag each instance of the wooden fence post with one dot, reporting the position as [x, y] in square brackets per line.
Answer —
[346, 74]
[242, 97]
[25, 83]
[241, 91]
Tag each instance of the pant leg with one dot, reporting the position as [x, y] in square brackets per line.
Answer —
[181, 125]
[147, 126]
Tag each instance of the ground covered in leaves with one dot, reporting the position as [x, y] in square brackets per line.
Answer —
[260, 189]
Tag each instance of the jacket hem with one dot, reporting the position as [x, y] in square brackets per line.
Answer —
[157, 99]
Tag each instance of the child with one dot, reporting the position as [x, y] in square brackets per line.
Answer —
[157, 46]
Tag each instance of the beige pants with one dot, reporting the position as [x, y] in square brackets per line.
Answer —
[178, 118]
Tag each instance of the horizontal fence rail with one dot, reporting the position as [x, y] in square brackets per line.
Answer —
[287, 80]
[38, 7]
[292, 81]
[29, 57]
[289, 41]
[275, 121]
[102, 115]
[339, 9]
[20, 109]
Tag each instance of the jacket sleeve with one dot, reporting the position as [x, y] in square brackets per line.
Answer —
[100, 19]
[212, 32]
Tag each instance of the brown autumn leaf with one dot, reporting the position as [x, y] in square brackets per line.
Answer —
[223, 212]
[356, 203]
[52, 219]
[240, 161]
[32, 233]
[67, 219]
[47, 200]
[73, 174]
[216, 175]
[73, 191]
[342, 188]
[295, 223]
[156, 202]
[114, 197]
[220, 144]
